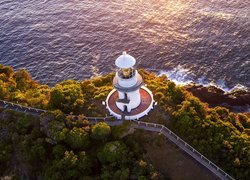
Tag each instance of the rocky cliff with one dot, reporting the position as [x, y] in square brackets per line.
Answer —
[238, 100]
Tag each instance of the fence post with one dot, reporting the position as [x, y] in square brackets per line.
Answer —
[161, 128]
[21, 108]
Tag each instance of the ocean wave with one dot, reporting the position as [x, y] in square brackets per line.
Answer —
[183, 76]
[59, 40]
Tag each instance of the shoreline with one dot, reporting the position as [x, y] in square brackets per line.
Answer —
[236, 101]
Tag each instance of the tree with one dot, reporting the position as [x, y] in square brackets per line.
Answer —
[58, 151]
[7, 70]
[245, 121]
[78, 138]
[67, 96]
[114, 151]
[64, 168]
[84, 163]
[100, 131]
[24, 80]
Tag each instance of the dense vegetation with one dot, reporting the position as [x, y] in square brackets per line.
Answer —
[222, 136]
[54, 146]
[68, 96]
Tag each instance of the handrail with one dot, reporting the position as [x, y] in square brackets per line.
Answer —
[192, 152]
[41, 110]
[144, 125]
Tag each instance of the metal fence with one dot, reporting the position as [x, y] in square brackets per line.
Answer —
[140, 125]
[18, 107]
[185, 147]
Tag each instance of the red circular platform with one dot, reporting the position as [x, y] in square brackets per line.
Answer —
[146, 102]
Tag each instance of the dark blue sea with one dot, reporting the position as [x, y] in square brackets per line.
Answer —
[205, 41]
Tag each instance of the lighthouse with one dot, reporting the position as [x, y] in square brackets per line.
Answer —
[130, 99]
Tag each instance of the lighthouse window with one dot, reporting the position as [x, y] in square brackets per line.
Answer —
[126, 73]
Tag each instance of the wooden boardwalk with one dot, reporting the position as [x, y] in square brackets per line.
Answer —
[138, 125]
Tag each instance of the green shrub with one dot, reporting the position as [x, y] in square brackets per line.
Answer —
[100, 131]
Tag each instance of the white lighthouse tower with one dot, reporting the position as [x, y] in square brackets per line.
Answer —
[130, 99]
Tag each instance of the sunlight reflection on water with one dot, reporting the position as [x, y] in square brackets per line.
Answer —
[60, 40]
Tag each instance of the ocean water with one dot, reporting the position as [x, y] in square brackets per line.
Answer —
[205, 41]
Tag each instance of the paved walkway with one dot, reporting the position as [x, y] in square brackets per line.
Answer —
[138, 125]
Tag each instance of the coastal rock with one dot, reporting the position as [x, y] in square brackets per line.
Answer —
[216, 96]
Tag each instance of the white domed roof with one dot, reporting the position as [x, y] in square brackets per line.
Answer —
[125, 61]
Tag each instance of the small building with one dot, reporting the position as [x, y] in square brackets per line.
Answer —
[129, 99]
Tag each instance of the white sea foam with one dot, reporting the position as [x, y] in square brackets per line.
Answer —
[179, 75]
[183, 76]
[46, 37]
